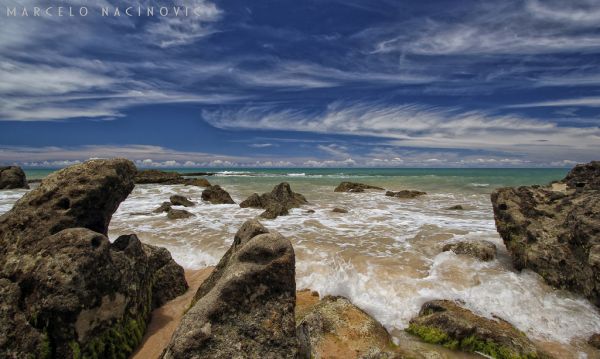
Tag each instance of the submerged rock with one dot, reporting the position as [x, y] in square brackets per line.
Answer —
[217, 195]
[355, 187]
[168, 178]
[178, 214]
[246, 307]
[339, 210]
[12, 177]
[446, 323]
[276, 203]
[65, 290]
[484, 250]
[405, 194]
[178, 200]
[555, 230]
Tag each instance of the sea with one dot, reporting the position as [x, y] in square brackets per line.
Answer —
[385, 254]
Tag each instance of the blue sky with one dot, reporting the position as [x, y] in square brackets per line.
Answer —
[304, 83]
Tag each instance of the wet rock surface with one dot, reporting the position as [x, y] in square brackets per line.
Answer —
[484, 250]
[179, 200]
[355, 187]
[65, 290]
[339, 210]
[12, 177]
[246, 307]
[405, 194]
[216, 195]
[458, 207]
[555, 230]
[278, 202]
[168, 178]
[173, 213]
[164, 207]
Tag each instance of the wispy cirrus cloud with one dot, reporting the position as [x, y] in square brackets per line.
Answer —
[591, 101]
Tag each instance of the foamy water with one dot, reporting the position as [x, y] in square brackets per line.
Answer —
[385, 254]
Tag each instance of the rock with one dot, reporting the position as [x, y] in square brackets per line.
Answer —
[555, 233]
[457, 207]
[246, 307]
[446, 323]
[178, 200]
[65, 290]
[336, 328]
[339, 210]
[199, 182]
[164, 207]
[355, 187]
[178, 214]
[217, 195]
[12, 177]
[484, 250]
[405, 194]
[309, 211]
[594, 340]
[276, 203]
[168, 178]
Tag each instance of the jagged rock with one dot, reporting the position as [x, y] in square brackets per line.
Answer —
[276, 203]
[65, 290]
[355, 187]
[594, 340]
[484, 250]
[457, 207]
[405, 194]
[555, 230]
[178, 200]
[12, 177]
[217, 195]
[178, 214]
[168, 178]
[164, 207]
[336, 325]
[446, 323]
[246, 307]
[339, 210]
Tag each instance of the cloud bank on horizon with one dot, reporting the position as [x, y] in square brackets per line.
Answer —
[311, 84]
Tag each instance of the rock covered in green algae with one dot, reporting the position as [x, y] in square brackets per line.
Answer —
[555, 230]
[446, 323]
[66, 290]
[278, 202]
[245, 309]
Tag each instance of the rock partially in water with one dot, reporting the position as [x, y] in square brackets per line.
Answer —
[178, 214]
[246, 307]
[168, 178]
[405, 194]
[446, 323]
[276, 203]
[594, 340]
[555, 230]
[12, 177]
[457, 207]
[484, 250]
[355, 187]
[339, 210]
[216, 195]
[164, 207]
[179, 200]
[66, 290]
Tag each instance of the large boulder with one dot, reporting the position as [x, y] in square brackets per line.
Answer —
[246, 307]
[277, 202]
[12, 177]
[169, 178]
[484, 250]
[66, 290]
[355, 187]
[554, 230]
[446, 323]
[216, 195]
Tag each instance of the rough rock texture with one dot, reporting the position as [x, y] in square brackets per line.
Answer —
[178, 200]
[276, 203]
[594, 341]
[217, 195]
[173, 213]
[405, 194]
[354, 187]
[245, 309]
[484, 250]
[339, 210]
[65, 290]
[164, 207]
[446, 323]
[334, 327]
[12, 177]
[555, 230]
[161, 177]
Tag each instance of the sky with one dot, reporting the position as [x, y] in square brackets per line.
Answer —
[313, 83]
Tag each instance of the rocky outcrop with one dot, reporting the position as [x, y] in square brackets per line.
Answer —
[173, 213]
[65, 290]
[246, 307]
[179, 200]
[276, 203]
[484, 250]
[405, 194]
[355, 187]
[12, 177]
[446, 323]
[168, 178]
[216, 195]
[555, 230]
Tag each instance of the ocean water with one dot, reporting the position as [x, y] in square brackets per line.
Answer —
[385, 253]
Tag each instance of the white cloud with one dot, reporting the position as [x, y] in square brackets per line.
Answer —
[579, 102]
